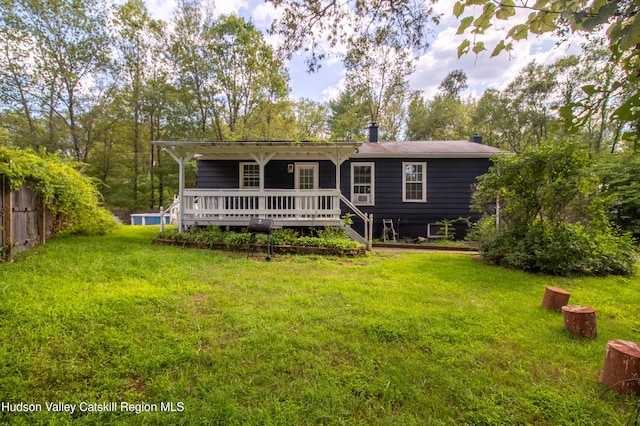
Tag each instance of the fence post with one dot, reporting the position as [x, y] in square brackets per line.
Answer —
[42, 223]
[7, 217]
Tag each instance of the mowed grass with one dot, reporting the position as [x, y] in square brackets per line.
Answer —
[391, 338]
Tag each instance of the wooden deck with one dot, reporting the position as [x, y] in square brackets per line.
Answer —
[234, 207]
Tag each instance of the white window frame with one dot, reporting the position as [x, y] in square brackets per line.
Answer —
[354, 196]
[404, 182]
[314, 166]
[242, 165]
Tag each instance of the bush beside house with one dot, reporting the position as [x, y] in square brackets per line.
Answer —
[544, 211]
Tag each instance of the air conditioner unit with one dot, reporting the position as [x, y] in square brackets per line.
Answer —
[363, 198]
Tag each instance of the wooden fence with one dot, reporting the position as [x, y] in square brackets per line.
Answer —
[25, 220]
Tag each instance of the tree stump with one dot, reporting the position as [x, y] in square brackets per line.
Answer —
[580, 320]
[555, 298]
[621, 371]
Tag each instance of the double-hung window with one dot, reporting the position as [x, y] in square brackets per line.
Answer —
[414, 182]
[249, 175]
[362, 184]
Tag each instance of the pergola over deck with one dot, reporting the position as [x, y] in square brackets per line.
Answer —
[287, 207]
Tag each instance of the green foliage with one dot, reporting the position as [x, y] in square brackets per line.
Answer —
[620, 21]
[347, 115]
[347, 219]
[330, 237]
[65, 190]
[620, 174]
[448, 231]
[559, 249]
[552, 218]
[554, 182]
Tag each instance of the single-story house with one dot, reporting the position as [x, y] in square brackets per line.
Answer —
[408, 185]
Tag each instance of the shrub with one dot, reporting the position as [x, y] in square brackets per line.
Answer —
[72, 197]
[327, 238]
[553, 215]
[562, 249]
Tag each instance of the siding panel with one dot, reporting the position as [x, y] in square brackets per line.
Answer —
[450, 184]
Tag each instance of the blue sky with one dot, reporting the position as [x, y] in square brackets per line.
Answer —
[482, 71]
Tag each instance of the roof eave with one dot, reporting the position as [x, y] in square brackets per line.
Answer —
[424, 155]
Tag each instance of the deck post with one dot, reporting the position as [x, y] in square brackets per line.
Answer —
[262, 161]
[182, 161]
[337, 160]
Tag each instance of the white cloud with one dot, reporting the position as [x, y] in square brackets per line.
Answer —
[264, 13]
[483, 71]
[161, 9]
[228, 7]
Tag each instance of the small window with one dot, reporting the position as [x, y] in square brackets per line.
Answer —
[362, 184]
[249, 175]
[414, 182]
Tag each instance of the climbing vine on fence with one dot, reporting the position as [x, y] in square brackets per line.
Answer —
[72, 197]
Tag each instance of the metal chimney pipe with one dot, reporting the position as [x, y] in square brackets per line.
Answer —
[373, 132]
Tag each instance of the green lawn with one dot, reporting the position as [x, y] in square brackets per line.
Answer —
[402, 338]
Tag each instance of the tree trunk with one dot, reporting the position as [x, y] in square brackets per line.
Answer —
[581, 321]
[621, 371]
[555, 298]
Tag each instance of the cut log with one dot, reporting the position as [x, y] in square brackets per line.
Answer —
[622, 366]
[580, 320]
[555, 298]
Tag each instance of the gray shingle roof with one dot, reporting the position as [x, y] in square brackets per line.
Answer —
[426, 149]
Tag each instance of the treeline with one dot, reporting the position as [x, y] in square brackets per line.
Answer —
[97, 83]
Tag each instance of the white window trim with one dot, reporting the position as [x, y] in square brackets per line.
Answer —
[248, 163]
[372, 198]
[314, 166]
[424, 182]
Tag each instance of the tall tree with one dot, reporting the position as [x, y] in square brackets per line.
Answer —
[488, 117]
[446, 117]
[348, 117]
[453, 84]
[530, 102]
[416, 112]
[134, 37]
[18, 82]
[311, 120]
[247, 73]
[70, 50]
[590, 95]
[377, 75]
[195, 109]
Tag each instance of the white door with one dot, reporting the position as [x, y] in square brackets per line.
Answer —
[306, 176]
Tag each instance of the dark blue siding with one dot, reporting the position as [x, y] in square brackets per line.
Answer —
[450, 185]
[225, 174]
[218, 174]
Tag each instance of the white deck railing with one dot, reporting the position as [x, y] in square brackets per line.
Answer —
[226, 205]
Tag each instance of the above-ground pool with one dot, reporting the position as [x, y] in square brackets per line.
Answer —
[149, 219]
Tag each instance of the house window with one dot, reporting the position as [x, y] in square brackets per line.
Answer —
[414, 182]
[362, 184]
[249, 175]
